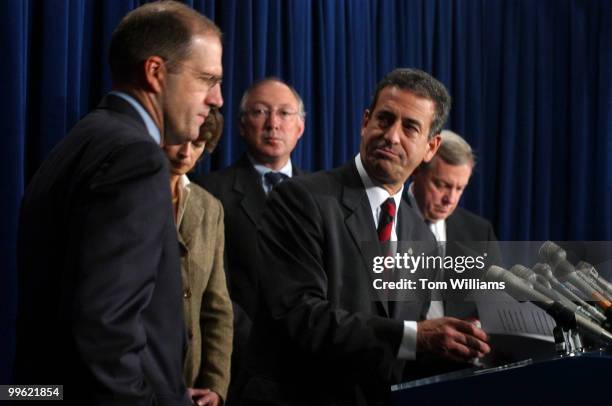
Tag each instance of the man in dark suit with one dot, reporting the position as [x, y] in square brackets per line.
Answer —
[271, 123]
[100, 302]
[324, 334]
[435, 191]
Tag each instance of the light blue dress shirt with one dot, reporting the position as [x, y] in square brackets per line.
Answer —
[151, 127]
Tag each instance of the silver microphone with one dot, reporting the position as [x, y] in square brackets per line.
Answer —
[544, 272]
[565, 271]
[520, 290]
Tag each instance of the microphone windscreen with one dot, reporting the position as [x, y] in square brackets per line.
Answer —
[544, 270]
[551, 253]
[523, 272]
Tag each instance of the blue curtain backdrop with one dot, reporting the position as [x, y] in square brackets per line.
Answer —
[531, 83]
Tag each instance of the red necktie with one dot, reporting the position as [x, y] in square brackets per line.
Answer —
[385, 221]
[385, 225]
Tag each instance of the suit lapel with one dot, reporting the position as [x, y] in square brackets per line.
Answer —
[402, 227]
[450, 228]
[248, 185]
[408, 213]
[298, 172]
[360, 225]
[191, 218]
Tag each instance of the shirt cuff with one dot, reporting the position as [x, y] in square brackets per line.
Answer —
[407, 348]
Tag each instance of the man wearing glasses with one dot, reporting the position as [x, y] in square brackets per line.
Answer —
[100, 300]
[271, 123]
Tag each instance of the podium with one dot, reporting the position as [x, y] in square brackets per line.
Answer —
[569, 380]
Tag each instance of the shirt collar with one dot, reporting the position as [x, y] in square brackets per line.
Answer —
[148, 121]
[413, 201]
[183, 196]
[184, 181]
[262, 170]
[376, 194]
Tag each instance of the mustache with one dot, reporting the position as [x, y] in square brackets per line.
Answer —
[385, 145]
[382, 143]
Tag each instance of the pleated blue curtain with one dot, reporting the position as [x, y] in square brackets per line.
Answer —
[531, 83]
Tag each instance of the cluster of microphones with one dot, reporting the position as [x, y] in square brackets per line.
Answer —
[575, 296]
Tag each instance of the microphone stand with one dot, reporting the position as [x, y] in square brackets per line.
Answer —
[567, 339]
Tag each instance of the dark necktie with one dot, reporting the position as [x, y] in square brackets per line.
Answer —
[274, 178]
[385, 221]
[385, 225]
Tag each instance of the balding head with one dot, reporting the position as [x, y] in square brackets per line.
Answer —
[163, 29]
[271, 121]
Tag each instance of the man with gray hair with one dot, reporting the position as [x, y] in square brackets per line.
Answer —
[437, 187]
[271, 123]
[435, 191]
[439, 184]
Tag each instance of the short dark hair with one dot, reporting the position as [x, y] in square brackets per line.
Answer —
[423, 85]
[163, 28]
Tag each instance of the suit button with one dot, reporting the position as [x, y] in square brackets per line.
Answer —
[190, 334]
[186, 294]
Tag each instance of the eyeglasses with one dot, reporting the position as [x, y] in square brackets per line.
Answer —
[208, 79]
[258, 113]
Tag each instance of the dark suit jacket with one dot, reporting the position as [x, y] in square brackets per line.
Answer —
[464, 225]
[470, 234]
[100, 308]
[466, 234]
[239, 189]
[322, 335]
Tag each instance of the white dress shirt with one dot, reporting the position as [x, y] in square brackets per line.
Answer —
[183, 195]
[376, 196]
[148, 121]
[438, 229]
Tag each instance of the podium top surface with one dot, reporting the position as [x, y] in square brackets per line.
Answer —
[541, 369]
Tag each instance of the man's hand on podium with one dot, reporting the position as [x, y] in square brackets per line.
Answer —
[451, 338]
